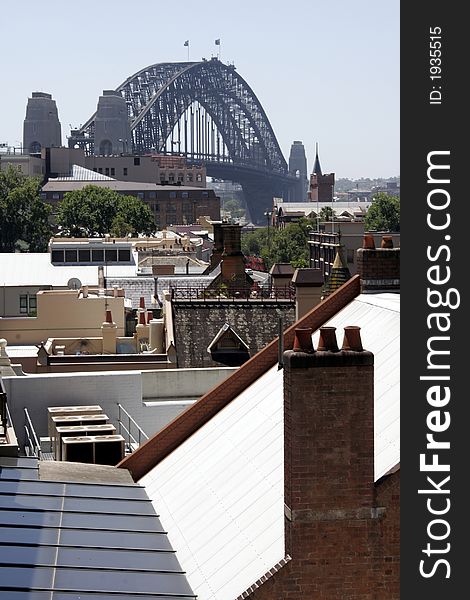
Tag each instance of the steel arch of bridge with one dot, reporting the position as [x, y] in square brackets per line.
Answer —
[230, 133]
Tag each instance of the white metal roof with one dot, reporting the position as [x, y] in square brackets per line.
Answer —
[378, 315]
[221, 493]
[35, 269]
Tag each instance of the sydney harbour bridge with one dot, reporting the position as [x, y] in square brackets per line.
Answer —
[207, 112]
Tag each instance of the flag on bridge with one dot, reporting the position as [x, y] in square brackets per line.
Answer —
[217, 42]
[186, 43]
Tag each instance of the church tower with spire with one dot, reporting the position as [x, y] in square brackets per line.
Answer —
[321, 186]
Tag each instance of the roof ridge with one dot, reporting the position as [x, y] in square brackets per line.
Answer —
[161, 444]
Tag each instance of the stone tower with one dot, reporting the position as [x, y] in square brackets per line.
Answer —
[298, 168]
[112, 127]
[41, 127]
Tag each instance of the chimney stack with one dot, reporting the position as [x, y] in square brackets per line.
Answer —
[308, 285]
[329, 466]
[378, 268]
[109, 334]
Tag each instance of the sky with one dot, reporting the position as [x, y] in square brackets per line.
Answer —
[324, 71]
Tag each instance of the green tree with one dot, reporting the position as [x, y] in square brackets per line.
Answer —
[95, 211]
[326, 214]
[24, 217]
[384, 213]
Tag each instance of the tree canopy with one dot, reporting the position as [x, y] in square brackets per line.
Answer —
[286, 245]
[24, 217]
[95, 211]
[384, 213]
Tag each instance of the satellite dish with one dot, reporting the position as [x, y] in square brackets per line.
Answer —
[74, 283]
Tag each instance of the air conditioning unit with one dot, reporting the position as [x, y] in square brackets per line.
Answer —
[79, 431]
[94, 449]
[57, 411]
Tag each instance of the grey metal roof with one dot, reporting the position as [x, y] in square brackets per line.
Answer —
[62, 539]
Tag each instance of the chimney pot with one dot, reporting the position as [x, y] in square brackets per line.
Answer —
[327, 341]
[142, 318]
[109, 317]
[142, 302]
[352, 339]
[149, 316]
[368, 241]
[387, 241]
[303, 340]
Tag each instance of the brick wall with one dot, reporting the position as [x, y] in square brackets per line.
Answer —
[342, 531]
[196, 324]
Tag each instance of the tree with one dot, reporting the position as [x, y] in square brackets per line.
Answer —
[95, 211]
[24, 217]
[384, 213]
[326, 214]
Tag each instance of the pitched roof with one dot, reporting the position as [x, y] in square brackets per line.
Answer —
[170, 437]
[221, 492]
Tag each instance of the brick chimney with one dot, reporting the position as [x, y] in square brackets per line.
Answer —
[233, 262]
[329, 471]
[218, 247]
[109, 334]
[378, 268]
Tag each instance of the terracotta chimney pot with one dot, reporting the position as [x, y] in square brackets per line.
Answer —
[387, 241]
[352, 339]
[109, 317]
[327, 341]
[142, 302]
[303, 340]
[142, 318]
[368, 241]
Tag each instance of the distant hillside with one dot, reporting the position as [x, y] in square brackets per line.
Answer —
[344, 185]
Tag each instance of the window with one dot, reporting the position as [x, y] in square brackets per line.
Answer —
[140, 195]
[106, 171]
[172, 194]
[83, 256]
[180, 177]
[136, 161]
[70, 256]
[124, 171]
[94, 169]
[100, 170]
[184, 195]
[97, 255]
[124, 255]
[152, 195]
[156, 207]
[198, 177]
[57, 256]
[28, 304]
[111, 255]
[190, 176]
[56, 196]
[205, 194]
[171, 178]
[113, 171]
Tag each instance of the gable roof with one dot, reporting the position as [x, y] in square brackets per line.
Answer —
[221, 492]
[170, 437]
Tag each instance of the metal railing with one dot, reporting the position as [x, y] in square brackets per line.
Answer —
[233, 294]
[132, 440]
[3, 410]
[33, 447]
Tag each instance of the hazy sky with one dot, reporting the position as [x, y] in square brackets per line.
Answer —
[324, 71]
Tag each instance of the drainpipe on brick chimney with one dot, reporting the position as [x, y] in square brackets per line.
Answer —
[109, 334]
[328, 454]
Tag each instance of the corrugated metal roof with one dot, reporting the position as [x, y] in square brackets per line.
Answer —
[61, 539]
[221, 493]
[378, 315]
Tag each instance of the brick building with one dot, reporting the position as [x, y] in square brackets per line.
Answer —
[170, 204]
